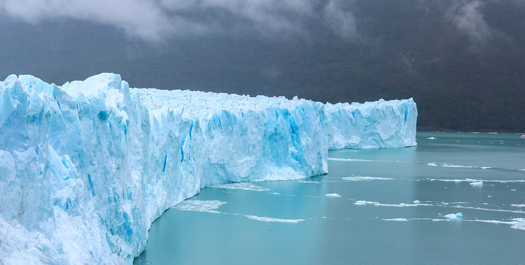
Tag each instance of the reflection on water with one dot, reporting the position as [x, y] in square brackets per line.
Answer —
[394, 206]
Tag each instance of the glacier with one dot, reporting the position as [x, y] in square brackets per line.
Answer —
[86, 167]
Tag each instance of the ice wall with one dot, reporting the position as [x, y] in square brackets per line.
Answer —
[85, 168]
[380, 124]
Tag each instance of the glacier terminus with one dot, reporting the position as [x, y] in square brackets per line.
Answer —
[86, 167]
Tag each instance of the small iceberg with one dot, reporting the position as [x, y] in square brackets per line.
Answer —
[522, 136]
[454, 216]
[417, 201]
[333, 195]
[477, 184]
[431, 138]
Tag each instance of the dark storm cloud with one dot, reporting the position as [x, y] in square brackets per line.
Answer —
[158, 20]
[467, 16]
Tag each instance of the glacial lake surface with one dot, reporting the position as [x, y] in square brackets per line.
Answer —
[387, 206]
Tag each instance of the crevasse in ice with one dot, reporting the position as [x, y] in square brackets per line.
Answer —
[85, 168]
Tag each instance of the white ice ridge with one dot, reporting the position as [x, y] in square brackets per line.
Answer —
[85, 168]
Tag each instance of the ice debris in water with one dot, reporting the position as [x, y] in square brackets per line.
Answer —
[274, 220]
[199, 206]
[86, 167]
[417, 202]
[431, 138]
[454, 216]
[333, 195]
[477, 184]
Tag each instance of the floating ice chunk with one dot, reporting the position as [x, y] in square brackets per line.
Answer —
[363, 202]
[517, 205]
[240, 186]
[199, 206]
[417, 202]
[431, 138]
[519, 223]
[361, 178]
[432, 164]
[454, 216]
[477, 184]
[332, 195]
[274, 220]
[522, 136]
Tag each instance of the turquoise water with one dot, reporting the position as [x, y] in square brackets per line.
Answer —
[392, 209]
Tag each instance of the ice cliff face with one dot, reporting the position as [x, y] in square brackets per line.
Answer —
[85, 168]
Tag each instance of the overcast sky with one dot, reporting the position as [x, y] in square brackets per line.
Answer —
[326, 50]
[163, 20]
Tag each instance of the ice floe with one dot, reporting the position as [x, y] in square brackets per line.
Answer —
[454, 216]
[477, 184]
[205, 206]
[274, 220]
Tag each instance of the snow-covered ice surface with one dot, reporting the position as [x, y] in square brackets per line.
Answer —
[85, 168]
